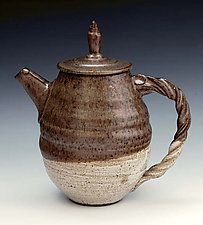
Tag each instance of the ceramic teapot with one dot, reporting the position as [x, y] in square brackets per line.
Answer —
[95, 130]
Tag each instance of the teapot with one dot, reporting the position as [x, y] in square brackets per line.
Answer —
[94, 126]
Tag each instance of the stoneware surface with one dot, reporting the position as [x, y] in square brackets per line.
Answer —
[95, 131]
[98, 182]
[159, 38]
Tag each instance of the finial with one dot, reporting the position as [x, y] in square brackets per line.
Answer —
[94, 39]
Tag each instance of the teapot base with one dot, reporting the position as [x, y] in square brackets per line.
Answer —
[94, 205]
[98, 182]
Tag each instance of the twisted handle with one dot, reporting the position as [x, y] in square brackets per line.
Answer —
[145, 85]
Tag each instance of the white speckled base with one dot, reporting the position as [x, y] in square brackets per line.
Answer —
[98, 182]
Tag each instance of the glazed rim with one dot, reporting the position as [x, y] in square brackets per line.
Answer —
[85, 66]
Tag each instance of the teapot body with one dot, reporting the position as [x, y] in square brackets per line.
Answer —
[95, 136]
[95, 131]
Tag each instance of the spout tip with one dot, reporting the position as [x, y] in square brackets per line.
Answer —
[23, 71]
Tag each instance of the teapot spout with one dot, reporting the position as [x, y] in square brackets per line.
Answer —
[36, 86]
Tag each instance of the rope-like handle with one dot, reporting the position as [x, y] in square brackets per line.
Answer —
[145, 85]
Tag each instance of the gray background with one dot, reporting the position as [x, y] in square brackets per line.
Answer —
[160, 39]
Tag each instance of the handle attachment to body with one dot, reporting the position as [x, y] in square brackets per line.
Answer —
[146, 85]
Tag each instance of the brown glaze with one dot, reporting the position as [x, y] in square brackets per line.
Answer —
[147, 84]
[94, 63]
[94, 40]
[93, 113]
[93, 118]
[94, 66]
[36, 86]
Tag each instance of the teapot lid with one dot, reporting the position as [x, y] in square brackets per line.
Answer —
[94, 63]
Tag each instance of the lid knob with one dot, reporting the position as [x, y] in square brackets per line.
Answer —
[94, 40]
